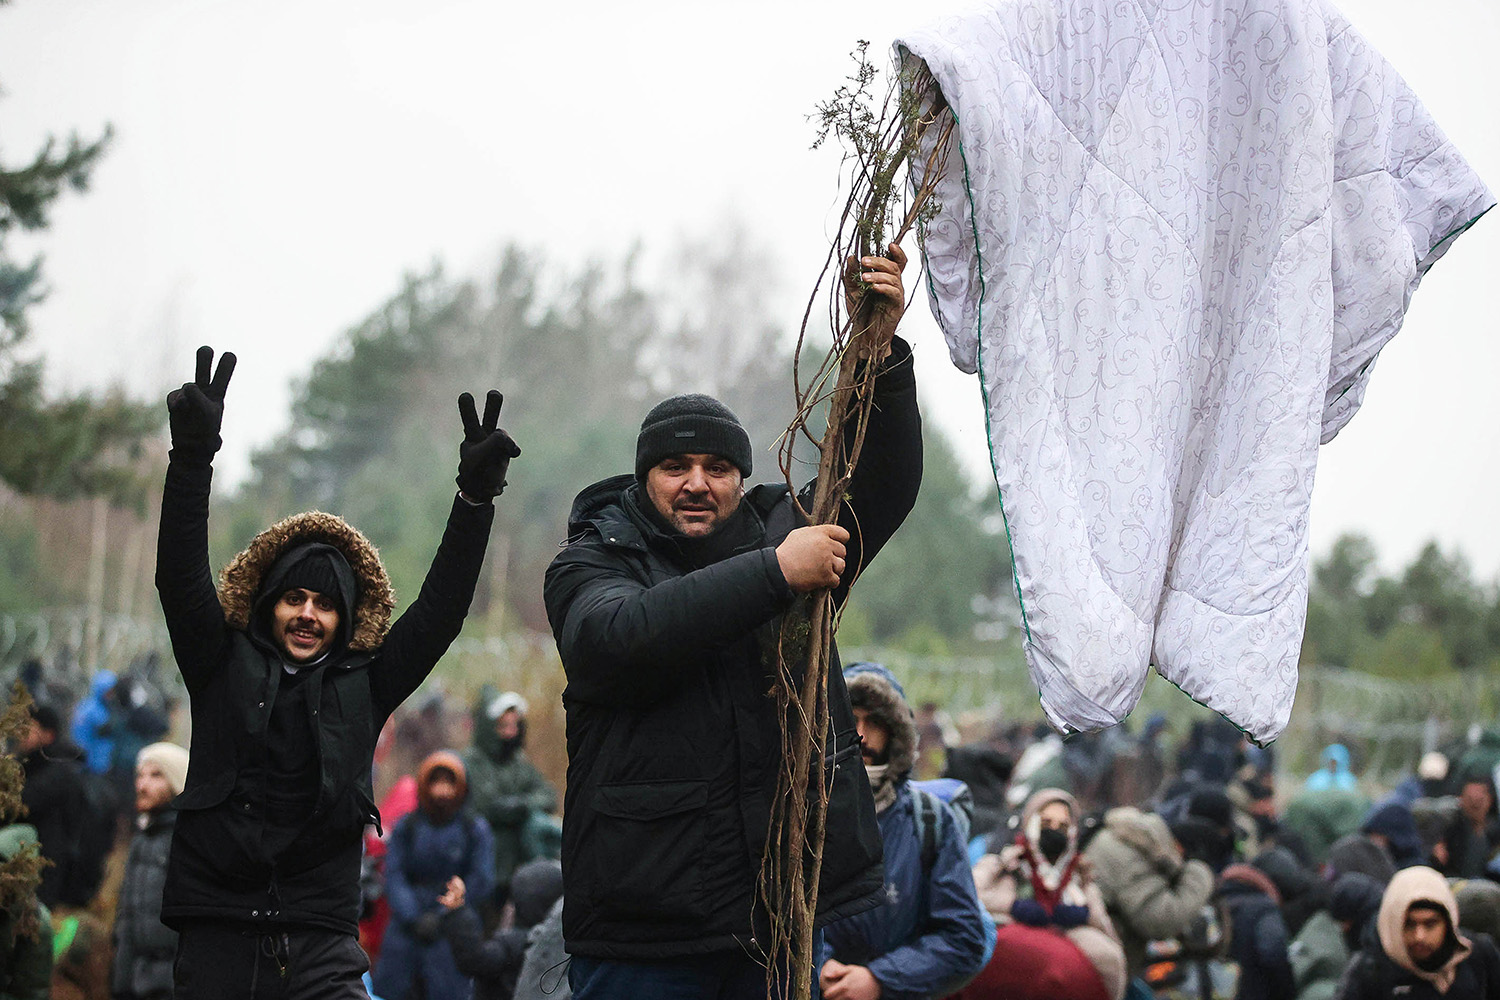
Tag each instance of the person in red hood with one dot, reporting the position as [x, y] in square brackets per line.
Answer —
[442, 839]
[1421, 953]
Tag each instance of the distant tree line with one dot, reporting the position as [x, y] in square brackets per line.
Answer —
[581, 355]
[1432, 618]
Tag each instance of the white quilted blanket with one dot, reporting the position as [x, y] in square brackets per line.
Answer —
[1173, 239]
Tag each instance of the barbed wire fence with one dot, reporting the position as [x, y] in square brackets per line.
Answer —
[57, 638]
[1387, 722]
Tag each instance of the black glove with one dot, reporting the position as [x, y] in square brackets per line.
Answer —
[427, 927]
[485, 455]
[195, 411]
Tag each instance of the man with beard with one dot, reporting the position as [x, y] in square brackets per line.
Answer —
[144, 947]
[1421, 953]
[667, 604]
[929, 936]
[441, 840]
[291, 669]
[504, 787]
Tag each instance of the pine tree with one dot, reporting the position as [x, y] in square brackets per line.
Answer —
[70, 446]
[21, 873]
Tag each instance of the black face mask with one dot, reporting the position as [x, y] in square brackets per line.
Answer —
[1052, 843]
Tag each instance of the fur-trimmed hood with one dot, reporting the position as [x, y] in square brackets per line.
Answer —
[240, 583]
[874, 689]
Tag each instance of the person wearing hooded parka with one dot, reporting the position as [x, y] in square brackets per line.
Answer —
[504, 786]
[929, 936]
[291, 667]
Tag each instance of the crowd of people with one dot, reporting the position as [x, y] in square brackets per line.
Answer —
[1029, 867]
[1019, 867]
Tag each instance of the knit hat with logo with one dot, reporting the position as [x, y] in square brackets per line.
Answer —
[691, 424]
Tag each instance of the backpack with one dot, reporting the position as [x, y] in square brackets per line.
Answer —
[930, 799]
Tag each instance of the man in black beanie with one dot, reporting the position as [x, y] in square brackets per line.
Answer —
[291, 669]
[666, 605]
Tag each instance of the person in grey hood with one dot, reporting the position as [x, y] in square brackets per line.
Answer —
[291, 667]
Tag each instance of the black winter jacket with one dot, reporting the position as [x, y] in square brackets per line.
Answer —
[219, 868]
[53, 794]
[673, 739]
[144, 947]
[1372, 975]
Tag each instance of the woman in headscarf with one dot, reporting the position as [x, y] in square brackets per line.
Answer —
[1042, 882]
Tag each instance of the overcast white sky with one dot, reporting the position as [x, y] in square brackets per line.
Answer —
[279, 164]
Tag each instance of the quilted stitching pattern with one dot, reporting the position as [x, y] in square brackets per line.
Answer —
[1174, 239]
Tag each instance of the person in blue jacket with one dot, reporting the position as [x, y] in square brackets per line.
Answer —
[91, 729]
[427, 848]
[1333, 771]
[929, 935]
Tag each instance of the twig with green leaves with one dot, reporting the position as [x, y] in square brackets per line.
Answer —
[894, 149]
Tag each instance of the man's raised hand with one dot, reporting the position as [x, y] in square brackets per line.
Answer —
[813, 557]
[885, 296]
[484, 457]
[195, 411]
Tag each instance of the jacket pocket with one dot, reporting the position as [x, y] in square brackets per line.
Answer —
[208, 794]
[648, 845]
[851, 822]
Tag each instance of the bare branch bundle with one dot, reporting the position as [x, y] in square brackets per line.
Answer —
[894, 151]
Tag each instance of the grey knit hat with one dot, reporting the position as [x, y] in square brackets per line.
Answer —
[691, 424]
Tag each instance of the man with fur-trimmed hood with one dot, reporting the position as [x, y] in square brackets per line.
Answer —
[928, 937]
[1422, 953]
[291, 668]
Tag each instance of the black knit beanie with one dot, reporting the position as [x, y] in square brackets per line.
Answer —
[314, 572]
[318, 567]
[691, 424]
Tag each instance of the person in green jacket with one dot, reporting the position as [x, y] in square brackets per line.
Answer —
[504, 786]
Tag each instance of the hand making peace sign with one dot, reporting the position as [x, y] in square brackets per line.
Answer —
[484, 457]
[195, 411]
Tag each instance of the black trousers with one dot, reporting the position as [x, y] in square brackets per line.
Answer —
[226, 962]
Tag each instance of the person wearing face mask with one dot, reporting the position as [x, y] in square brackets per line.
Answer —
[1039, 884]
[928, 937]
